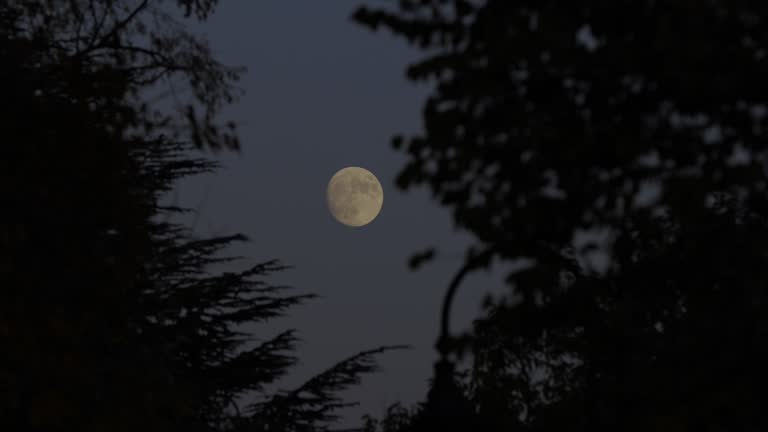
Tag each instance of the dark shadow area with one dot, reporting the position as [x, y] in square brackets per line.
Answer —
[616, 153]
[112, 316]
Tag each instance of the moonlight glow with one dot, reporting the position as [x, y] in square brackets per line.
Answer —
[354, 196]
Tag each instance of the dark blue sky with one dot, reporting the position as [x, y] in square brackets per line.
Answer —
[322, 93]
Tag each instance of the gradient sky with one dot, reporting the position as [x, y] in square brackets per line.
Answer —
[322, 93]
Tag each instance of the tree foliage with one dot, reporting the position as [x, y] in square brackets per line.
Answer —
[614, 152]
[112, 315]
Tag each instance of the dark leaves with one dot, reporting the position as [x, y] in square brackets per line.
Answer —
[605, 152]
[419, 259]
[312, 404]
[113, 315]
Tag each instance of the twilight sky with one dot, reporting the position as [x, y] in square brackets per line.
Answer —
[322, 93]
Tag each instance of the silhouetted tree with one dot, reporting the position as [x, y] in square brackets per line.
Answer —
[396, 418]
[112, 316]
[614, 154]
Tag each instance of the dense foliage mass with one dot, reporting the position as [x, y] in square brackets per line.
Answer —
[112, 315]
[614, 153]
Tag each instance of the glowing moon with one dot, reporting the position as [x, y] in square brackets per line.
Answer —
[354, 196]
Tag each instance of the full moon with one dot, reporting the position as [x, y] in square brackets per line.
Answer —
[354, 196]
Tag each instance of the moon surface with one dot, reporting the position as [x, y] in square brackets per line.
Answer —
[354, 196]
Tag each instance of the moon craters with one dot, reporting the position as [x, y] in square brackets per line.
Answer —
[354, 196]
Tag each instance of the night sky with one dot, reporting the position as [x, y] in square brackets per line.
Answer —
[603, 174]
[322, 93]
